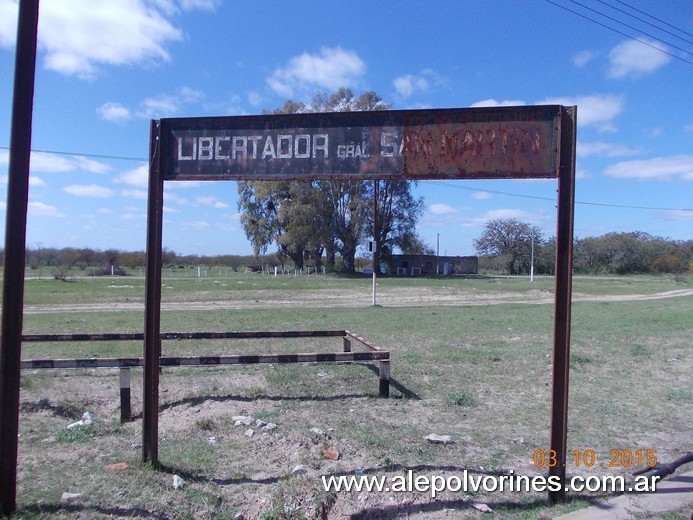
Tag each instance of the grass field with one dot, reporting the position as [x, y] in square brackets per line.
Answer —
[471, 358]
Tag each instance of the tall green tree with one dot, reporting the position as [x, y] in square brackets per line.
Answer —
[396, 218]
[510, 238]
[305, 219]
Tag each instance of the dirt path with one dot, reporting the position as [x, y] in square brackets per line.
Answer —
[345, 299]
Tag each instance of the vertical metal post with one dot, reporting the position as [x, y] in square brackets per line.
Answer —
[564, 284]
[384, 379]
[531, 261]
[125, 401]
[375, 236]
[152, 302]
[15, 250]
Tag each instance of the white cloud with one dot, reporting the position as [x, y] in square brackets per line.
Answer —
[132, 215]
[33, 181]
[114, 112]
[212, 202]
[658, 168]
[604, 149]
[581, 173]
[138, 177]
[8, 23]
[442, 209]
[495, 103]
[89, 165]
[172, 197]
[255, 99]
[198, 225]
[209, 5]
[679, 214]
[50, 162]
[330, 69]
[57, 163]
[597, 110]
[409, 84]
[636, 58]
[88, 190]
[135, 194]
[39, 209]
[481, 195]
[655, 133]
[160, 106]
[229, 222]
[521, 215]
[582, 58]
[78, 38]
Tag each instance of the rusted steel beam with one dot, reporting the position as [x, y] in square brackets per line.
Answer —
[460, 143]
[152, 300]
[179, 361]
[562, 307]
[15, 250]
[362, 340]
[50, 338]
[252, 335]
[170, 336]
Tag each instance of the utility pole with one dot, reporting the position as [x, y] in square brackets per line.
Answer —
[531, 262]
[375, 233]
[15, 250]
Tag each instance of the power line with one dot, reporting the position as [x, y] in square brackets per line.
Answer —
[439, 183]
[89, 155]
[645, 21]
[629, 26]
[537, 197]
[622, 33]
[654, 18]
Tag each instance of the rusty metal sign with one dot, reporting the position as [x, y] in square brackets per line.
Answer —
[472, 143]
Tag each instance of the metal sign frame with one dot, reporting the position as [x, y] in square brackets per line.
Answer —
[488, 143]
[476, 143]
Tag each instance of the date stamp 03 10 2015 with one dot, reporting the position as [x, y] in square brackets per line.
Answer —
[587, 458]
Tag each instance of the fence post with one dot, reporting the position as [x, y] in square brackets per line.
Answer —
[385, 378]
[125, 408]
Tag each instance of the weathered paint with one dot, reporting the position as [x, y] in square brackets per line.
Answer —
[472, 143]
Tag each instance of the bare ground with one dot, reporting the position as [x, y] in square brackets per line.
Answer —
[274, 454]
[333, 298]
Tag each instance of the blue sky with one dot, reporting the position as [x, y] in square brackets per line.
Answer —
[105, 69]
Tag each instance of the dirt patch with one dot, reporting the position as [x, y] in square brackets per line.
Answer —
[393, 297]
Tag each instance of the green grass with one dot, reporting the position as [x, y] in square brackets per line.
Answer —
[480, 373]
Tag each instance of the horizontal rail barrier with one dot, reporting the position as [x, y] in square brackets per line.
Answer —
[180, 361]
[374, 353]
[167, 336]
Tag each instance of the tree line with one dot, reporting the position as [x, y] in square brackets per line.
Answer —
[506, 246]
[59, 262]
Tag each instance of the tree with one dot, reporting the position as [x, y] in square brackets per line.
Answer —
[511, 238]
[397, 215]
[305, 219]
